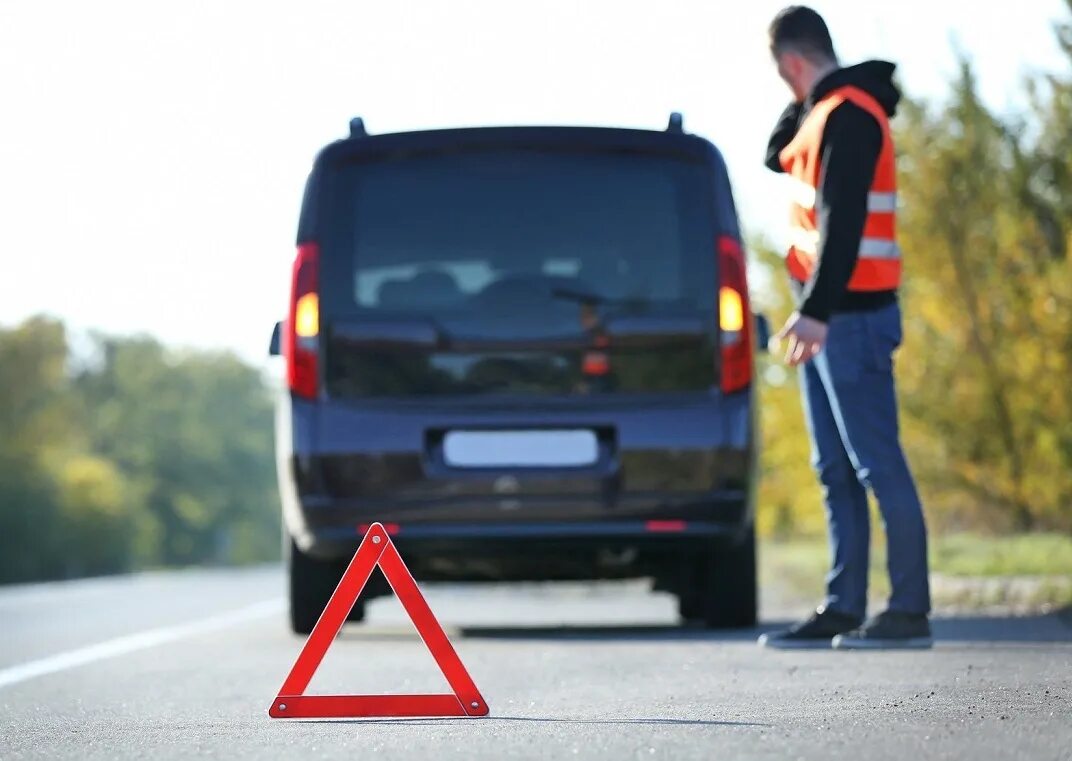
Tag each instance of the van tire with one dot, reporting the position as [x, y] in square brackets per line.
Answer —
[311, 584]
[719, 587]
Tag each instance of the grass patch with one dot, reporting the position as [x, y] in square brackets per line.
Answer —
[967, 570]
[1022, 555]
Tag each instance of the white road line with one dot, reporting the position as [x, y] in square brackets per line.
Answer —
[131, 643]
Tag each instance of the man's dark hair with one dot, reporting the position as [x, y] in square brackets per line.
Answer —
[801, 30]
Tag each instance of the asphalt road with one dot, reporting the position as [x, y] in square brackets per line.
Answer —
[185, 665]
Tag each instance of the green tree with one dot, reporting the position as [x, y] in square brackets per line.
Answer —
[140, 457]
[32, 425]
[62, 510]
[987, 393]
[192, 435]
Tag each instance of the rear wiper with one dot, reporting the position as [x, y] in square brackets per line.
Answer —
[630, 304]
[583, 297]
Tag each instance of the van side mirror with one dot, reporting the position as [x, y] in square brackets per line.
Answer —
[762, 332]
[273, 347]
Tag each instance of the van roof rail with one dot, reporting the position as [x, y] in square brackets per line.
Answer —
[676, 124]
[357, 127]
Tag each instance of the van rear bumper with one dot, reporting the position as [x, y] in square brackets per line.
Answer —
[544, 551]
[333, 529]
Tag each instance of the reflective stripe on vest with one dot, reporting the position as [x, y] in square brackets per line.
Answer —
[878, 265]
[872, 248]
[877, 203]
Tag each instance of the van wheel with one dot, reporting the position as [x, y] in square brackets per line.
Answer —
[719, 589]
[312, 582]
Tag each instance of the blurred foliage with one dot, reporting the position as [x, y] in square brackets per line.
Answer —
[985, 373]
[1025, 574]
[130, 457]
[136, 456]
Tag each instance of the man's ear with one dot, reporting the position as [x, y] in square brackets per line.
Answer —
[794, 66]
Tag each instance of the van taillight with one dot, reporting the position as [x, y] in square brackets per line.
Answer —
[734, 316]
[302, 337]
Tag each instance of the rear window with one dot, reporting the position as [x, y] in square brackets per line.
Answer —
[506, 237]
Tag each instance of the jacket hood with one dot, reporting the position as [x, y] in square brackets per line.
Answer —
[873, 77]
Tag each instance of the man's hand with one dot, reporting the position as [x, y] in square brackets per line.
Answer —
[806, 338]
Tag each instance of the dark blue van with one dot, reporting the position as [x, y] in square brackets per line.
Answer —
[529, 352]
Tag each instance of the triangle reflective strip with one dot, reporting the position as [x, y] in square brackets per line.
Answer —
[377, 549]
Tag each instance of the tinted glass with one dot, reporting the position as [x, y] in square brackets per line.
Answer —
[507, 242]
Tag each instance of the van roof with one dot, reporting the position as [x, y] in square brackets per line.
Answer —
[671, 143]
[546, 137]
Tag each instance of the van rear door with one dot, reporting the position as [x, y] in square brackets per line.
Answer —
[518, 270]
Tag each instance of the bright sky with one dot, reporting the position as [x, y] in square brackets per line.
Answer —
[152, 154]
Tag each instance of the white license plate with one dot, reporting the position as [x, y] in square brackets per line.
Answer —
[525, 449]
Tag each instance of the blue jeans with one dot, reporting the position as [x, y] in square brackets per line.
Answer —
[851, 413]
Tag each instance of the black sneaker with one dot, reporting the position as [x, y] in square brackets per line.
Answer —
[888, 631]
[815, 633]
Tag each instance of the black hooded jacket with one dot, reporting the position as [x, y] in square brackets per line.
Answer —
[850, 148]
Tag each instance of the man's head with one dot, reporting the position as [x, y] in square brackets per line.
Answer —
[801, 45]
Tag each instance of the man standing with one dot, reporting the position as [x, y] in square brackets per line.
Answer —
[845, 265]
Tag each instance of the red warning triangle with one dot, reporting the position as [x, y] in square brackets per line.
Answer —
[376, 549]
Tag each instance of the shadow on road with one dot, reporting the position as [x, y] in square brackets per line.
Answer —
[970, 629]
[543, 720]
[630, 633]
[1056, 627]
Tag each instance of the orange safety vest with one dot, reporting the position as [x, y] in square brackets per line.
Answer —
[878, 267]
